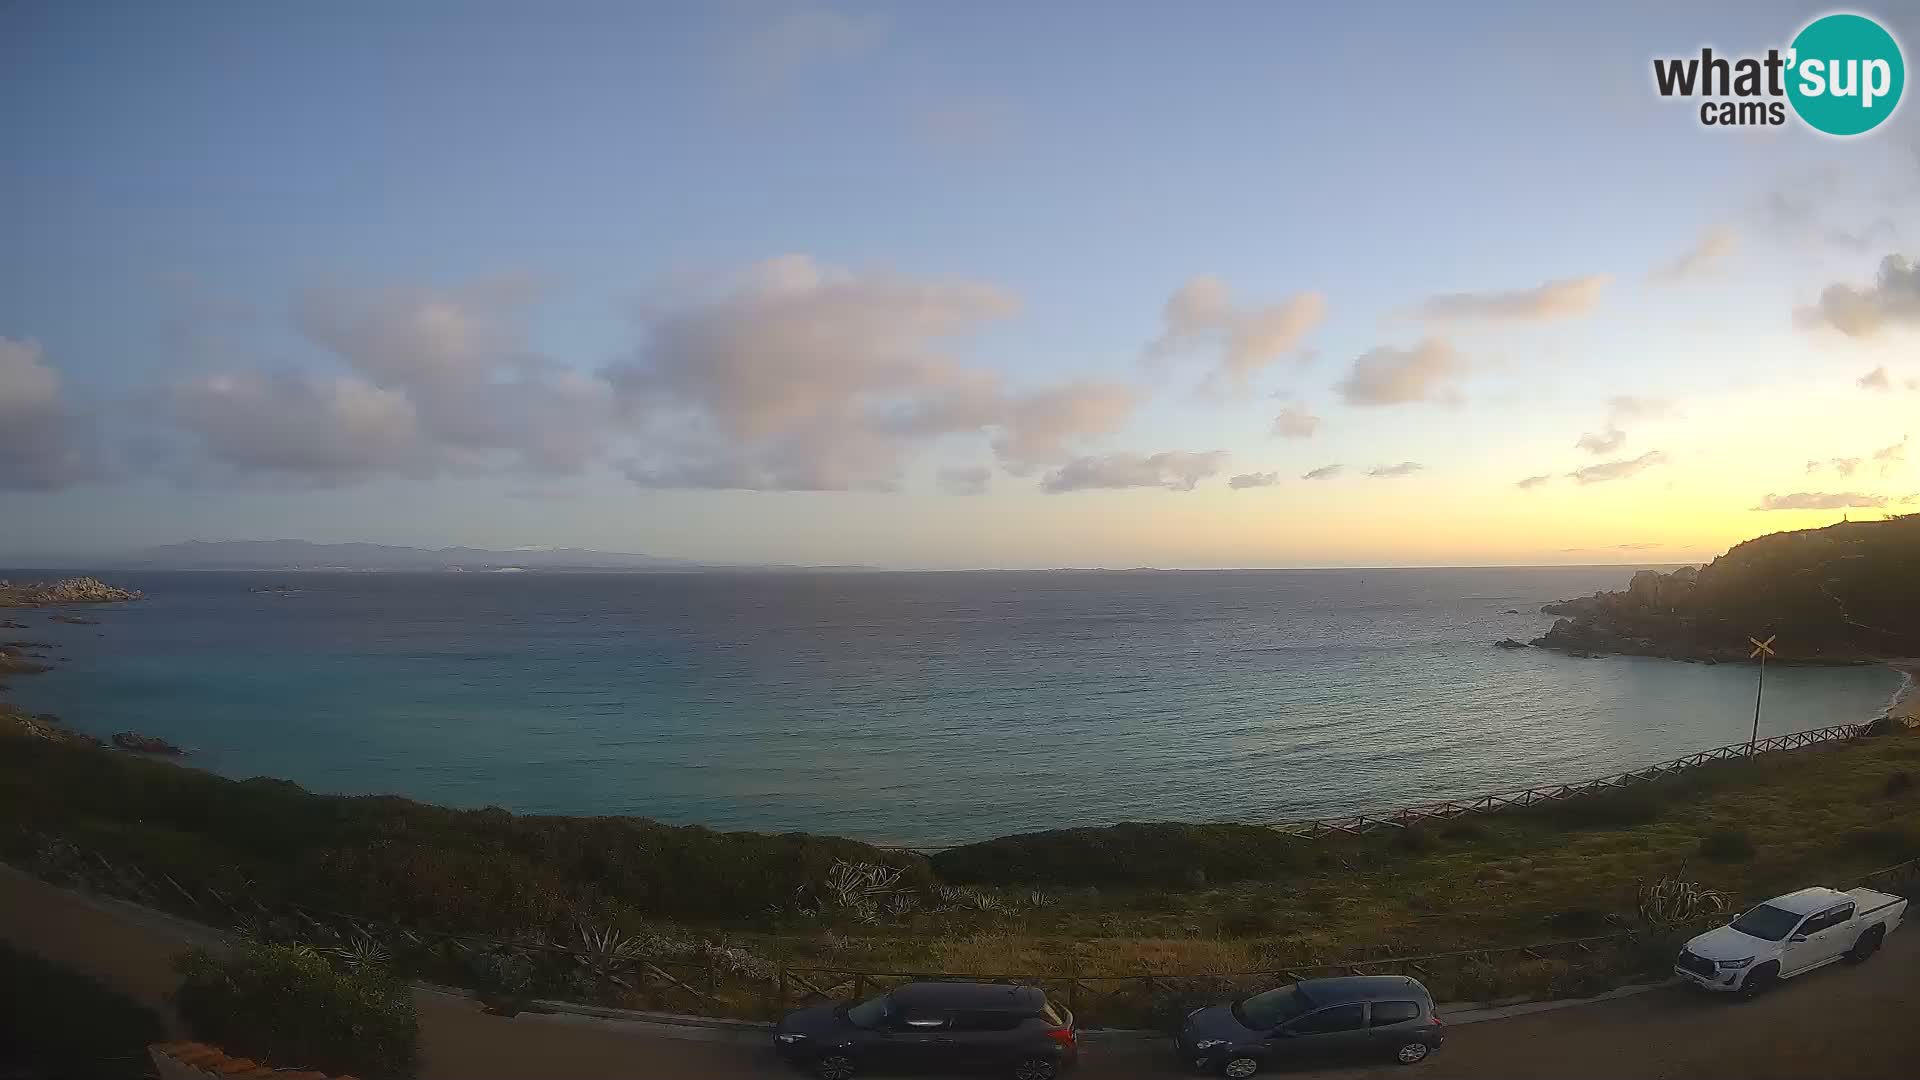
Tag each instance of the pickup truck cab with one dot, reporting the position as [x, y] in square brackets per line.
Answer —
[1790, 935]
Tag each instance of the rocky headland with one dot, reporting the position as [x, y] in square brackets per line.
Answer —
[80, 590]
[1845, 594]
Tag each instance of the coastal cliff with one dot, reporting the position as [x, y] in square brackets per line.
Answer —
[1845, 594]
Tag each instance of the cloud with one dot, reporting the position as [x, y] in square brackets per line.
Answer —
[1202, 314]
[1842, 465]
[1392, 376]
[459, 358]
[773, 50]
[1617, 470]
[1175, 470]
[964, 480]
[1630, 407]
[1552, 300]
[327, 430]
[1876, 380]
[1715, 244]
[1295, 423]
[1404, 468]
[1254, 480]
[809, 377]
[44, 444]
[1324, 472]
[1531, 482]
[1820, 500]
[1637, 547]
[1603, 443]
[1890, 458]
[1893, 300]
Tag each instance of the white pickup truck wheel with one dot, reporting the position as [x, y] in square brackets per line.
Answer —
[1868, 944]
[1759, 981]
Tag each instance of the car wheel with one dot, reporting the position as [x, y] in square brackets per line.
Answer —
[1868, 944]
[834, 1067]
[1238, 1067]
[1035, 1068]
[1760, 981]
[1412, 1053]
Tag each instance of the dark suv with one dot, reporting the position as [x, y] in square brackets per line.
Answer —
[934, 1026]
[1321, 1019]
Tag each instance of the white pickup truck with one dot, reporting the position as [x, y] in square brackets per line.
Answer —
[1790, 935]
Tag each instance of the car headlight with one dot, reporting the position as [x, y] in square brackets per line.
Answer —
[1728, 965]
[1208, 1044]
[788, 1038]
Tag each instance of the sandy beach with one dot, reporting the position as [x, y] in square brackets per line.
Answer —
[1906, 703]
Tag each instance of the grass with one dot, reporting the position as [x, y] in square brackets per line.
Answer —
[1132, 898]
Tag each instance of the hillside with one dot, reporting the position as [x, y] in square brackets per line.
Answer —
[1848, 593]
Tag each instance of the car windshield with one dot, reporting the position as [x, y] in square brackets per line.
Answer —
[1262, 1012]
[1769, 923]
[871, 1013]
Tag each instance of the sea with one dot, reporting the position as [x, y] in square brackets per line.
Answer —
[920, 709]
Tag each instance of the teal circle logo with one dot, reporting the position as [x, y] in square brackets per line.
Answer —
[1845, 74]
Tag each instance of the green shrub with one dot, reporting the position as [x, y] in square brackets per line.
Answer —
[1414, 838]
[1248, 922]
[1168, 855]
[1727, 845]
[1632, 806]
[56, 1023]
[1898, 783]
[286, 1006]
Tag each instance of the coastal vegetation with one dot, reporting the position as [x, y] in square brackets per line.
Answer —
[296, 1009]
[1126, 899]
[1847, 593]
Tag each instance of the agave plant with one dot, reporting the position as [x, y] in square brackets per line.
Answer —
[361, 952]
[1673, 902]
[855, 885]
[902, 904]
[605, 952]
[1037, 899]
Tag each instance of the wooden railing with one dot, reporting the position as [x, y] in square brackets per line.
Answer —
[1452, 808]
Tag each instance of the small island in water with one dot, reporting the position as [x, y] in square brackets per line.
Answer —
[1844, 594]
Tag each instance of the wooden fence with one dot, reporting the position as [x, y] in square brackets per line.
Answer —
[1452, 808]
[1403, 817]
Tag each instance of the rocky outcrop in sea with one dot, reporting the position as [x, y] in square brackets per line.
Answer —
[80, 590]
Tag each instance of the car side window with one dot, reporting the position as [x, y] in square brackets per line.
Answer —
[921, 1019]
[1394, 1012]
[1828, 919]
[985, 1020]
[1338, 1018]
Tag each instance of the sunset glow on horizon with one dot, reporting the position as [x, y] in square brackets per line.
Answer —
[898, 286]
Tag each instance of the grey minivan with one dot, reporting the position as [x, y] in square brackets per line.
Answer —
[1388, 1016]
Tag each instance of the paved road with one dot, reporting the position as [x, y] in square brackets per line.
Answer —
[1838, 1023]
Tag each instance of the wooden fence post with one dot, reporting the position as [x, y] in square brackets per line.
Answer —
[713, 976]
[859, 986]
[783, 987]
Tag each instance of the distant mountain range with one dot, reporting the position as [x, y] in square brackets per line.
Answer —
[304, 555]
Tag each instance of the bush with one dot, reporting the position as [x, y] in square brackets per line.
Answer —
[286, 1006]
[1898, 783]
[1248, 922]
[1169, 855]
[56, 1023]
[1633, 806]
[1891, 842]
[1727, 845]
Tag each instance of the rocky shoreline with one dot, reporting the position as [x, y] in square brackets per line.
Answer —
[80, 590]
[1844, 595]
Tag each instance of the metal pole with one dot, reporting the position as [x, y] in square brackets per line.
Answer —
[1756, 704]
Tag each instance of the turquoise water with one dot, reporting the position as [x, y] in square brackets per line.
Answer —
[909, 708]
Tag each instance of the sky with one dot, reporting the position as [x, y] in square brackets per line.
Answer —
[940, 286]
